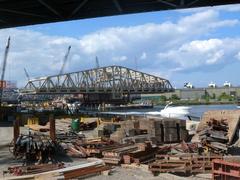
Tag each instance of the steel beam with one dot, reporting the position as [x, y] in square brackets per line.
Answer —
[29, 12]
[54, 11]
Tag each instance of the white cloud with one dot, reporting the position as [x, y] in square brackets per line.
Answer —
[202, 53]
[143, 56]
[238, 55]
[164, 47]
[119, 58]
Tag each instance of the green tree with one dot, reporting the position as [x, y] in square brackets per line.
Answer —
[163, 98]
[175, 97]
[214, 96]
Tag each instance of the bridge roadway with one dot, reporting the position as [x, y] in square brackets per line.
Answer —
[29, 12]
[111, 80]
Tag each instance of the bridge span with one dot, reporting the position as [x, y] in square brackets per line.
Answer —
[100, 84]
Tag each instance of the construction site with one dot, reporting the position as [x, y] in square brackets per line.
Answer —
[61, 126]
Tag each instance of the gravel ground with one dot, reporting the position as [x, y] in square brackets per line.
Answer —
[141, 173]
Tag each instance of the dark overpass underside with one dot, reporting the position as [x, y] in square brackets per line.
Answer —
[28, 12]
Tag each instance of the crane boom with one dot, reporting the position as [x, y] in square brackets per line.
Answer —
[97, 63]
[65, 60]
[27, 75]
[4, 68]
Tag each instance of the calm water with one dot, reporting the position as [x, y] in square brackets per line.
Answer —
[196, 110]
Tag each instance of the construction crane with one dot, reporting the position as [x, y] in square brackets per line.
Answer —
[27, 75]
[65, 60]
[97, 63]
[4, 68]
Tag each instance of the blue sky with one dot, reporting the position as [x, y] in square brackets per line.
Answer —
[197, 45]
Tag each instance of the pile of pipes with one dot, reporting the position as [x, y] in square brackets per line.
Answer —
[34, 148]
[214, 137]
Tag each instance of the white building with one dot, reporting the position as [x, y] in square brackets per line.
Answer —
[188, 85]
[212, 85]
[227, 84]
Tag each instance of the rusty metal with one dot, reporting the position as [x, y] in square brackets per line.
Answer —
[115, 156]
[186, 163]
[16, 129]
[225, 170]
[214, 136]
[52, 128]
[33, 169]
[145, 154]
[85, 171]
[32, 148]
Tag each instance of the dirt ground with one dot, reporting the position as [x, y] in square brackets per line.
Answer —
[141, 173]
[120, 173]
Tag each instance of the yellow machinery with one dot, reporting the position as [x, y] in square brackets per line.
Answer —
[32, 120]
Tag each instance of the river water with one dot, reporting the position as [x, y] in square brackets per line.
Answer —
[196, 110]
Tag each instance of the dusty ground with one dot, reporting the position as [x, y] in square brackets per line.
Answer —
[135, 173]
[119, 173]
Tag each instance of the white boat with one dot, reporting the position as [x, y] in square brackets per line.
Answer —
[179, 112]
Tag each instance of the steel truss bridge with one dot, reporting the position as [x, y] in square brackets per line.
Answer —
[28, 12]
[100, 84]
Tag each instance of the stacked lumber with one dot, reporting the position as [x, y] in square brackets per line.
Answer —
[214, 136]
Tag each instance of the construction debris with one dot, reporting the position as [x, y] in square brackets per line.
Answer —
[161, 144]
[185, 163]
[115, 156]
[231, 118]
[34, 148]
[32, 169]
[214, 136]
[225, 170]
[93, 167]
[144, 154]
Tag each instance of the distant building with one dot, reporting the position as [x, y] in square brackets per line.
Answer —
[212, 85]
[11, 84]
[227, 84]
[188, 85]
